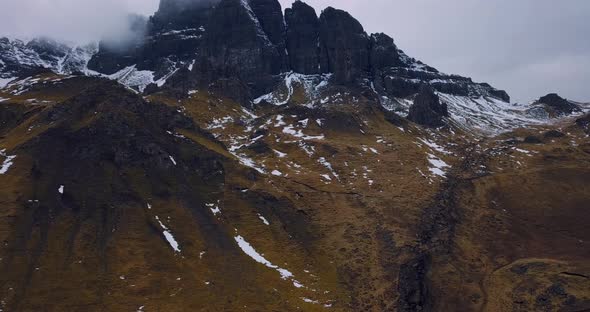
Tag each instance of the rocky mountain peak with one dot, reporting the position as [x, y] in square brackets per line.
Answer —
[251, 43]
[248, 50]
[558, 105]
[303, 38]
[344, 46]
[20, 58]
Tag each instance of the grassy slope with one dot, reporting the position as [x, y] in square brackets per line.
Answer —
[99, 247]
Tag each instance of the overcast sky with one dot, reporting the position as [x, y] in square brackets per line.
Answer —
[528, 47]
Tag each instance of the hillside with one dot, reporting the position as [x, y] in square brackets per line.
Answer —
[279, 176]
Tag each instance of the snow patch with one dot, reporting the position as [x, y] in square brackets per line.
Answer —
[438, 166]
[280, 154]
[328, 165]
[5, 81]
[311, 84]
[298, 133]
[263, 219]
[252, 253]
[168, 235]
[435, 146]
[214, 208]
[133, 78]
[8, 161]
[277, 173]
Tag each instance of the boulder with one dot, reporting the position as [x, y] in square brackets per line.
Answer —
[427, 109]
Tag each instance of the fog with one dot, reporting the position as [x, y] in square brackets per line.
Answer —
[528, 47]
[70, 20]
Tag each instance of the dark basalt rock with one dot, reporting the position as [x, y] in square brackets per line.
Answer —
[584, 123]
[396, 86]
[260, 147]
[270, 15]
[384, 52]
[302, 38]
[558, 105]
[427, 109]
[553, 134]
[531, 139]
[501, 94]
[109, 61]
[236, 46]
[248, 43]
[344, 46]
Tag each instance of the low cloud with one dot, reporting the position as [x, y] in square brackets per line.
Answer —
[70, 20]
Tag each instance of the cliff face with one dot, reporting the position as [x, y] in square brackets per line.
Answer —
[251, 42]
[303, 38]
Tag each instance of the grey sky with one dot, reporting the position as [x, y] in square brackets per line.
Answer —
[528, 47]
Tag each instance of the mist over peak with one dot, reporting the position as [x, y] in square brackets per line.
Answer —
[77, 21]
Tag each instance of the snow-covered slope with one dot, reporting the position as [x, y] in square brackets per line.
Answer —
[19, 58]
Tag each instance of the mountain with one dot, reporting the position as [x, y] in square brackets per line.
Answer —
[20, 59]
[555, 105]
[229, 157]
[258, 51]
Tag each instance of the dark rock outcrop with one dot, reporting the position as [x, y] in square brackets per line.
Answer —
[303, 38]
[553, 134]
[344, 46]
[531, 139]
[270, 15]
[558, 105]
[584, 123]
[427, 109]
[249, 43]
[109, 61]
[237, 47]
[501, 94]
[384, 52]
